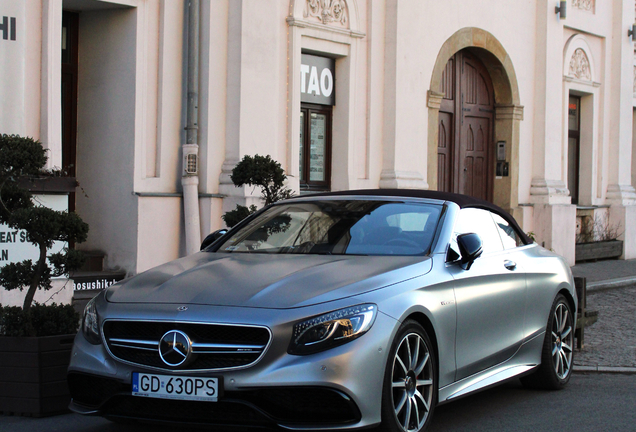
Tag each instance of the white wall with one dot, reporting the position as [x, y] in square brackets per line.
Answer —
[12, 66]
[106, 134]
[132, 90]
[160, 231]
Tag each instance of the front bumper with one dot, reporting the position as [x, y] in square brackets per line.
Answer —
[292, 407]
[338, 388]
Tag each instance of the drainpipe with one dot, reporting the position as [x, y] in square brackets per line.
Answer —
[190, 171]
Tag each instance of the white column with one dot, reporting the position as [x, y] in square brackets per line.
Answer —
[554, 216]
[51, 79]
[548, 183]
[620, 191]
[404, 105]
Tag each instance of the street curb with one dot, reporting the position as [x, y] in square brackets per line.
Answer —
[604, 369]
[594, 287]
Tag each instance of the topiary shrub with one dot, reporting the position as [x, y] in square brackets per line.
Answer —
[262, 172]
[25, 157]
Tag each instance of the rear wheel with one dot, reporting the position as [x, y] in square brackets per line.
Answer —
[556, 357]
[410, 383]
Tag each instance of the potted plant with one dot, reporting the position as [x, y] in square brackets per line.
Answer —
[35, 340]
[597, 239]
[262, 172]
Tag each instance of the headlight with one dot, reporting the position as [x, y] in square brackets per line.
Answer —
[331, 329]
[90, 323]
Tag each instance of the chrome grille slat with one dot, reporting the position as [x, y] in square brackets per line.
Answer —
[133, 347]
[230, 348]
[135, 342]
[214, 346]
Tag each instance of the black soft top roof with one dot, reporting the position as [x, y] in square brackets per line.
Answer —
[463, 201]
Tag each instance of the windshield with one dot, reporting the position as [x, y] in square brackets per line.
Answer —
[339, 227]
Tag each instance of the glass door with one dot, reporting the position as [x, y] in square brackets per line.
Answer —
[574, 146]
[315, 147]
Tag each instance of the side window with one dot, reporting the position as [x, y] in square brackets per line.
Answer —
[509, 236]
[477, 221]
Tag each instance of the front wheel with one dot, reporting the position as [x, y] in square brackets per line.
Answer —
[556, 356]
[410, 383]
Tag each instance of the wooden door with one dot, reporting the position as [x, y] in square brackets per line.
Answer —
[466, 119]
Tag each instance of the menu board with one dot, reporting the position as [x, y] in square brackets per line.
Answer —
[318, 146]
[302, 140]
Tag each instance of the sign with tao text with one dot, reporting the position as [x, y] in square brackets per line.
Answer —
[317, 80]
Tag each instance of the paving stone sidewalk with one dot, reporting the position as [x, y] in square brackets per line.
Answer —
[611, 341]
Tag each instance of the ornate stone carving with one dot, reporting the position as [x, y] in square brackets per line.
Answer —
[328, 11]
[580, 66]
[587, 5]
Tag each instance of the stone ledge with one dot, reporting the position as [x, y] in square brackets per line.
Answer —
[605, 285]
[604, 369]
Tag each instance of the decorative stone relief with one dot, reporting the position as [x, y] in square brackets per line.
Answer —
[328, 11]
[580, 66]
[587, 5]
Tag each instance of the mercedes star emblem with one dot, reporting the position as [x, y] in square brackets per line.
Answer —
[175, 348]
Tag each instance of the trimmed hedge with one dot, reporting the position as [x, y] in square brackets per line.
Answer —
[39, 320]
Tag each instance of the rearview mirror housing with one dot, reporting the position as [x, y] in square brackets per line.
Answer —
[212, 237]
[470, 248]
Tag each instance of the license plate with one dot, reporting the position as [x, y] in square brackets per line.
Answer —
[175, 387]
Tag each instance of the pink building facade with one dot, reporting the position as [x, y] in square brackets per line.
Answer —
[516, 102]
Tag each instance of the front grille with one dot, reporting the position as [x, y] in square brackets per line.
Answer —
[214, 346]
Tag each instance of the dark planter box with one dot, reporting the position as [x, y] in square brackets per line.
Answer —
[33, 375]
[598, 250]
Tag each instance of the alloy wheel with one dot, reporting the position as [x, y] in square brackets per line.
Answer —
[412, 382]
[562, 340]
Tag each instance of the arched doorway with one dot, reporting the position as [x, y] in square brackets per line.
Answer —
[465, 129]
[507, 114]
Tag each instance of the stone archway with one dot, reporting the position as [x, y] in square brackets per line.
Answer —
[508, 111]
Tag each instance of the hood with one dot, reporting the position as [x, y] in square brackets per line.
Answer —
[265, 281]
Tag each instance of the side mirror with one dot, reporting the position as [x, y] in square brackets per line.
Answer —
[469, 248]
[211, 238]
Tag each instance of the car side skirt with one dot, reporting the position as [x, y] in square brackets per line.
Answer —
[525, 359]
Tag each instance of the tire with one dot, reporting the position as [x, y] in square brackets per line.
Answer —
[410, 381]
[557, 352]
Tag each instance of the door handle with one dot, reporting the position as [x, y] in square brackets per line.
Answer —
[510, 265]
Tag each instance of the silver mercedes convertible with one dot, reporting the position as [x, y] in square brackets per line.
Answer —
[331, 311]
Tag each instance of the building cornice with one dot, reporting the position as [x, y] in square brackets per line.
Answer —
[509, 112]
[295, 22]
